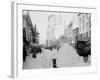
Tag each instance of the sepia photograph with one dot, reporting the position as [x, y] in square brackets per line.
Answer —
[56, 39]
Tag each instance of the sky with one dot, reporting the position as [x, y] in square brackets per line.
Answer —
[40, 18]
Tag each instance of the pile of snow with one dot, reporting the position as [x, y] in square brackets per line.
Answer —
[67, 57]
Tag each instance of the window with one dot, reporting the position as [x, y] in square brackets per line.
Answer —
[83, 27]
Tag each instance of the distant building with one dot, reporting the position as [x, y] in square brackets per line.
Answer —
[51, 30]
[68, 32]
[75, 33]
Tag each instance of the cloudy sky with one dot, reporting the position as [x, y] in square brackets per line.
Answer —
[41, 21]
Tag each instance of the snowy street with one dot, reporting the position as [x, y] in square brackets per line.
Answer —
[56, 40]
[66, 56]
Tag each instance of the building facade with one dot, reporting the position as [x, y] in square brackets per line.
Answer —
[30, 34]
[84, 26]
[51, 30]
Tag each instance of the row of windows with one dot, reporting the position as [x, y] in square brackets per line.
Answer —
[85, 36]
[85, 27]
[83, 18]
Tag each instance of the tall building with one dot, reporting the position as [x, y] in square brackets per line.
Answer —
[30, 34]
[55, 28]
[84, 26]
[51, 30]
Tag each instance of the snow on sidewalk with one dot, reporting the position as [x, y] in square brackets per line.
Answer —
[67, 57]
